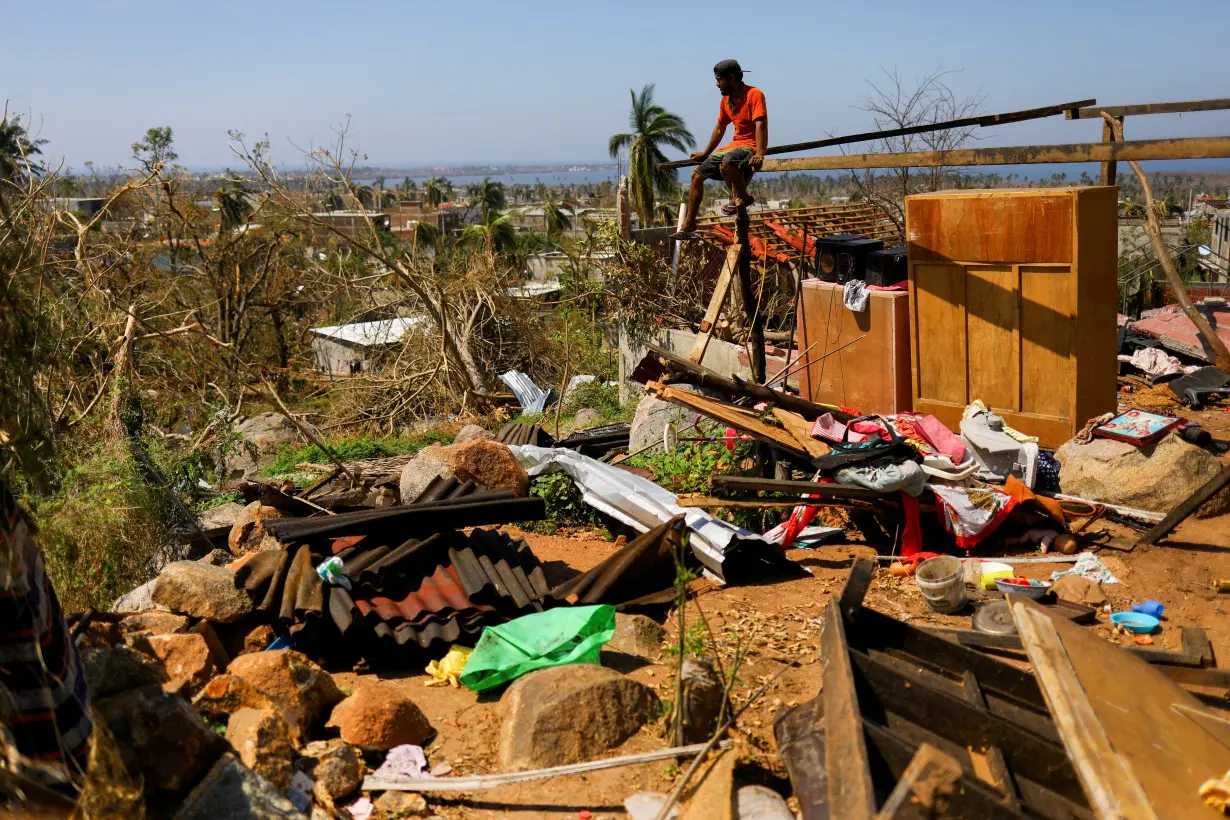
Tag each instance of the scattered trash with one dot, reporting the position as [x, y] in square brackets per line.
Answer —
[448, 669]
[361, 809]
[1023, 586]
[406, 760]
[942, 583]
[1088, 566]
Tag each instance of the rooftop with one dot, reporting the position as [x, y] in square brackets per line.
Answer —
[382, 332]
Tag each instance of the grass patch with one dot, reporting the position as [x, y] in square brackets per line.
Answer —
[354, 449]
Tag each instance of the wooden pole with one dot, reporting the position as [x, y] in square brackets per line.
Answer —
[1180, 513]
[1186, 148]
[1107, 177]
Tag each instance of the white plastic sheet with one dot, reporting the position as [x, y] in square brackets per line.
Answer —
[637, 502]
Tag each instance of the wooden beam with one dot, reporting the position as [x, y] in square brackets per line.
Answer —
[925, 786]
[720, 291]
[965, 122]
[1186, 148]
[1180, 513]
[1093, 112]
[851, 795]
[1107, 175]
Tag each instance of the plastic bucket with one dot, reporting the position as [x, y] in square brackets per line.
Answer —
[942, 582]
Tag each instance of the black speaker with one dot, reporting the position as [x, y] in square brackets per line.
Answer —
[844, 256]
[887, 267]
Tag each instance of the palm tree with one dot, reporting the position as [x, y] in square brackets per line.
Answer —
[653, 127]
[433, 192]
[16, 150]
[496, 234]
[557, 219]
[489, 197]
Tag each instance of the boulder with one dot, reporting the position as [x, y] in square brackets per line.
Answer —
[1158, 477]
[261, 738]
[111, 670]
[268, 432]
[227, 694]
[187, 658]
[637, 635]
[420, 471]
[761, 803]
[138, 599]
[161, 737]
[304, 690]
[703, 694]
[488, 464]
[152, 622]
[473, 432]
[568, 714]
[216, 558]
[396, 805]
[380, 716]
[202, 591]
[586, 418]
[99, 634]
[652, 416]
[251, 640]
[248, 531]
[223, 515]
[233, 791]
[337, 768]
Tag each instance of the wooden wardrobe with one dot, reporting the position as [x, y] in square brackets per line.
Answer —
[1013, 301]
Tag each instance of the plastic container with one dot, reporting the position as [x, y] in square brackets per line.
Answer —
[1033, 590]
[942, 583]
[992, 571]
[1150, 607]
[1137, 622]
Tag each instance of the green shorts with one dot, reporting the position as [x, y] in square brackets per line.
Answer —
[740, 157]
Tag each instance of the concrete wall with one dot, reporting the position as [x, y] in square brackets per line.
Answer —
[721, 357]
[333, 357]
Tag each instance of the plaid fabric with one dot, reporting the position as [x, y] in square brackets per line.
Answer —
[42, 686]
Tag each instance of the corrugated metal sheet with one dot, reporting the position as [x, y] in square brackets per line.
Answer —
[366, 334]
[533, 399]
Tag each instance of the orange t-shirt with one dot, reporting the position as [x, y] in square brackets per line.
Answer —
[751, 108]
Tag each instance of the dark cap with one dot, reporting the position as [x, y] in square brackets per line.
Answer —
[727, 67]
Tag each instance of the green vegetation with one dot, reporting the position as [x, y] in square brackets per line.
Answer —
[353, 449]
[564, 504]
[653, 128]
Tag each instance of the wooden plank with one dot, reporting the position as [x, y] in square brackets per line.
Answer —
[1183, 148]
[1097, 264]
[1110, 167]
[1135, 755]
[712, 502]
[800, 737]
[800, 429]
[798, 488]
[925, 787]
[720, 291]
[1180, 513]
[1095, 111]
[984, 121]
[993, 227]
[939, 341]
[735, 417]
[1047, 337]
[851, 796]
[992, 331]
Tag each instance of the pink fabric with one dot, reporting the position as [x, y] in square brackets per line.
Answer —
[870, 428]
[941, 438]
[830, 429]
[899, 286]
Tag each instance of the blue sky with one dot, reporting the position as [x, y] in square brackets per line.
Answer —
[478, 81]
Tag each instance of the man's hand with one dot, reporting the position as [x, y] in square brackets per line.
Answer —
[699, 155]
[756, 161]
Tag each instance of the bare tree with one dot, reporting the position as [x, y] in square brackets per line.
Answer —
[894, 104]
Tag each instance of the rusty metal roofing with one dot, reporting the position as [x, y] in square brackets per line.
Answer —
[778, 235]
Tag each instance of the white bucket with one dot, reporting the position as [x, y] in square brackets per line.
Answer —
[942, 583]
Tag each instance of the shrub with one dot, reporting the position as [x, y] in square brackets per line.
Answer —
[353, 449]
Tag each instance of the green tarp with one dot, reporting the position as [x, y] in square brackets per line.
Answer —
[552, 638]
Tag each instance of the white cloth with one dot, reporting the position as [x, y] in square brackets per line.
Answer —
[855, 295]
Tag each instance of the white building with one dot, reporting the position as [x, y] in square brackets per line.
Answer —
[352, 348]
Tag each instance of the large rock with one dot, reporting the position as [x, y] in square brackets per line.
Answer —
[262, 740]
[152, 622]
[223, 515]
[233, 791]
[161, 737]
[337, 768]
[400, 805]
[568, 714]
[586, 418]
[217, 558]
[1158, 477]
[488, 464]
[268, 432]
[248, 530]
[420, 471]
[380, 716]
[637, 635]
[188, 659]
[138, 599]
[473, 432]
[304, 690]
[227, 694]
[202, 591]
[111, 670]
[652, 417]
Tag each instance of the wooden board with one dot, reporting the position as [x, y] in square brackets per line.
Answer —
[1127, 727]
[800, 428]
[720, 292]
[851, 796]
[734, 416]
[859, 360]
[1009, 306]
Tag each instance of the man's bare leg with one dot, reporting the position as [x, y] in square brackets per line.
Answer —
[737, 181]
[696, 192]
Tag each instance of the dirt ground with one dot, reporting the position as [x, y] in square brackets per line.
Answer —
[778, 624]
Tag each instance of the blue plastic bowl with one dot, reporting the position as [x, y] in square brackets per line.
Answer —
[1137, 622]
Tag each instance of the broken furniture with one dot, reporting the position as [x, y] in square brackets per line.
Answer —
[855, 359]
[1009, 305]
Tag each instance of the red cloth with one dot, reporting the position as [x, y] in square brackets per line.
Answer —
[911, 536]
